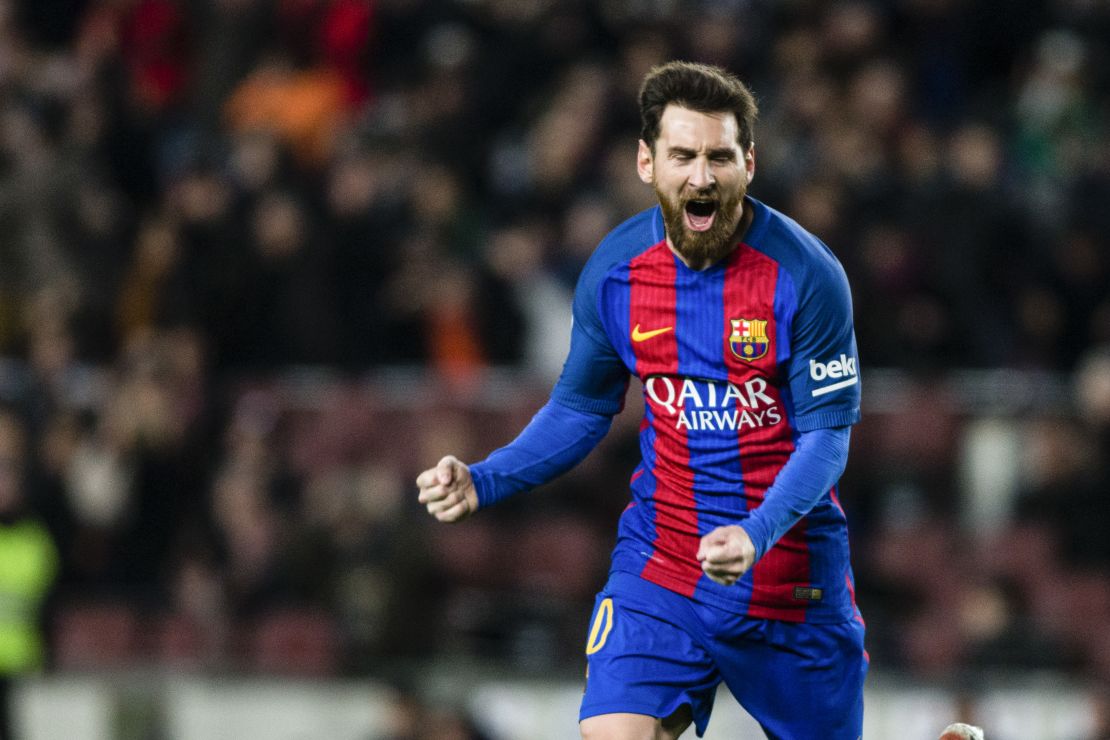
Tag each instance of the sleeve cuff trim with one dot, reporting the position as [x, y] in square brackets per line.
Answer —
[827, 419]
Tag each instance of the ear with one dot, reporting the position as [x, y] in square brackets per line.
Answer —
[749, 163]
[645, 162]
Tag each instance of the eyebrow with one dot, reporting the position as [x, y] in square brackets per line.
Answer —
[713, 153]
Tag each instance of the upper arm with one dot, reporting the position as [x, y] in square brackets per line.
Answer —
[594, 377]
[823, 371]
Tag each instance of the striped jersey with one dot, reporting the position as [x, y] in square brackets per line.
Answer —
[735, 362]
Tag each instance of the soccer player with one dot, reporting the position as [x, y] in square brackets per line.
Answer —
[731, 562]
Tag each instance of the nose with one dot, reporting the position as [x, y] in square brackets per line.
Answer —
[701, 176]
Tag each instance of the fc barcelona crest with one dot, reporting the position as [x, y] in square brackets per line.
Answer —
[748, 339]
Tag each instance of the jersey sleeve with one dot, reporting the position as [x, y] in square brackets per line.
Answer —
[816, 464]
[594, 378]
[823, 371]
[589, 392]
[557, 439]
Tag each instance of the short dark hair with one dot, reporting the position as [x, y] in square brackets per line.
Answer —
[699, 87]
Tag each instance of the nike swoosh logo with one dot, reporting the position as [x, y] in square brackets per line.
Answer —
[643, 336]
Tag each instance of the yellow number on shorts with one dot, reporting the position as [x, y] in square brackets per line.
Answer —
[603, 622]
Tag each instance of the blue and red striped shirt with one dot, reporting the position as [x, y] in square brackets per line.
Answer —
[736, 361]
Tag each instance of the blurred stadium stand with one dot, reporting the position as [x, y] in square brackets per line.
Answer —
[263, 260]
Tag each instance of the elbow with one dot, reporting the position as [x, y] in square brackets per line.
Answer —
[830, 446]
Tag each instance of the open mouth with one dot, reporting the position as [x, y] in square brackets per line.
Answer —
[700, 213]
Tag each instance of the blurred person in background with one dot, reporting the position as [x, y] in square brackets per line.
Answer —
[732, 561]
[1100, 705]
[410, 717]
[28, 563]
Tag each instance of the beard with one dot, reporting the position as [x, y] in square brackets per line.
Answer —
[702, 248]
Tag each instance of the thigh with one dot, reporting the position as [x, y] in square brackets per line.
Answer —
[799, 681]
[624, 726]
[641, 660]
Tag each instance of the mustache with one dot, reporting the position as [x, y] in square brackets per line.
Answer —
[708, 193]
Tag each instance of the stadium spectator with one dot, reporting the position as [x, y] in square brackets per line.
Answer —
[28, 566]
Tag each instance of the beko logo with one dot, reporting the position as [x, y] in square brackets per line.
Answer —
[845, 367]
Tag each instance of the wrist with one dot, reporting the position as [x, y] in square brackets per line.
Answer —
[482, 487]
[752, 527]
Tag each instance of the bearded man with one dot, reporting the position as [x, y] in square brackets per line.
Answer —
[731, 562]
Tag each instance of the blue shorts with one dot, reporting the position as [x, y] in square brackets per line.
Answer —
[650, 650]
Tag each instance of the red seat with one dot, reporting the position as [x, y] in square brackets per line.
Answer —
[181, 642]
[96, 635]
[294, 642]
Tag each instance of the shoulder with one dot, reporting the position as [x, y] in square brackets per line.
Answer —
[804, 257]
[631, 238]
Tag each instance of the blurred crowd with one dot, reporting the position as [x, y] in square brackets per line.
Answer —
[263, 260]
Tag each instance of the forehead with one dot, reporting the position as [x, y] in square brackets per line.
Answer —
[693, 129]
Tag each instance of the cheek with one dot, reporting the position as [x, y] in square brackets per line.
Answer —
[667, 182]
[731, 181]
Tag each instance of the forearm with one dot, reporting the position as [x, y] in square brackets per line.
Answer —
[557, 439]
[816, 464]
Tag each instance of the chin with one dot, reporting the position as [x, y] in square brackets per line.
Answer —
[709, 246]
[699, 247]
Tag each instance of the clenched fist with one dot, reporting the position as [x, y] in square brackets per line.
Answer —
[448, 491]
[726, 553]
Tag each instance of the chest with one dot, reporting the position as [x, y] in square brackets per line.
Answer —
[719, 323]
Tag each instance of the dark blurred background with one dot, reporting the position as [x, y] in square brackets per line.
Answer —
[261, 261]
